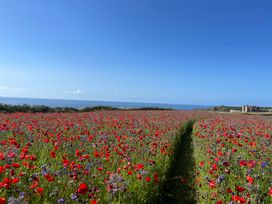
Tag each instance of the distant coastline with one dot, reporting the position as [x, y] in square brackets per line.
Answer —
[81, 104]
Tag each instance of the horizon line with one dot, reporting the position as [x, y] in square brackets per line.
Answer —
[97, 100]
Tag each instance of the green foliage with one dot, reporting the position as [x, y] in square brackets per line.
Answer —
[225, 108]
[180, 168]
[97, 108]
[46, 109]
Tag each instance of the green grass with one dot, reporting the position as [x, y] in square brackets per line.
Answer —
[177, 186]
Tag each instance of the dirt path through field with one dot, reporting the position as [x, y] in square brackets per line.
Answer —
[178, 187]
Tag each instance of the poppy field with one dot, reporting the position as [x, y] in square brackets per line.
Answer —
[233, 159]
[85, 157]
[124, 156]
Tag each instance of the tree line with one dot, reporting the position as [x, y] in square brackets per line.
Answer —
[46, 109]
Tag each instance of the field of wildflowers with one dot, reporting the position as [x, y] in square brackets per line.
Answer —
[124, 157]
[85, 157]
[233, 159]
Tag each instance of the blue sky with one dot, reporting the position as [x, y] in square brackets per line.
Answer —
[190, 52]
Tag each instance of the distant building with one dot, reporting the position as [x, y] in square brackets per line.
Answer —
[247, 108]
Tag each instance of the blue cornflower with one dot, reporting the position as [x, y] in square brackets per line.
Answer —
[73, 197]
[264, 164]
[61, 200]
[22, 195]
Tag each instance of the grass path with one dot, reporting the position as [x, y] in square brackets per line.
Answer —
[178, 186]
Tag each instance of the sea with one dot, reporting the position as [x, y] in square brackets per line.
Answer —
[79, 104]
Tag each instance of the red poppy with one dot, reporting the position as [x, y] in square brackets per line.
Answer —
[212, 184]
[85, 156]
[12, 172]
[78, 153]
[270, 191]
[16, 165]
[214, 167]
[156, 177]
[238, 199]
[93, 202]
[2, 169]
[65, 162]
[250, 180]
[22, 174]
[53, 154]
[243, 163]
[7, 166]
[32, 157]
[15, 180]
[40, 190]
[139, 166]
[3, 200]
[240, 189]
[83, 188]
[49, 178]
[147, 179]
[34, 184]
[11, 154]
[226, 164]
[6, 183]
[229, 190]
[96, 154]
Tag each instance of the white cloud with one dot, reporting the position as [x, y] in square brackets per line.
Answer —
[78, 91]
[5, 89]
[73, 92]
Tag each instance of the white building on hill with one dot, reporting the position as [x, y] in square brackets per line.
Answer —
[247, 108]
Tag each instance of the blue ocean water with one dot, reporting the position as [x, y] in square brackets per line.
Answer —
[84, 103]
